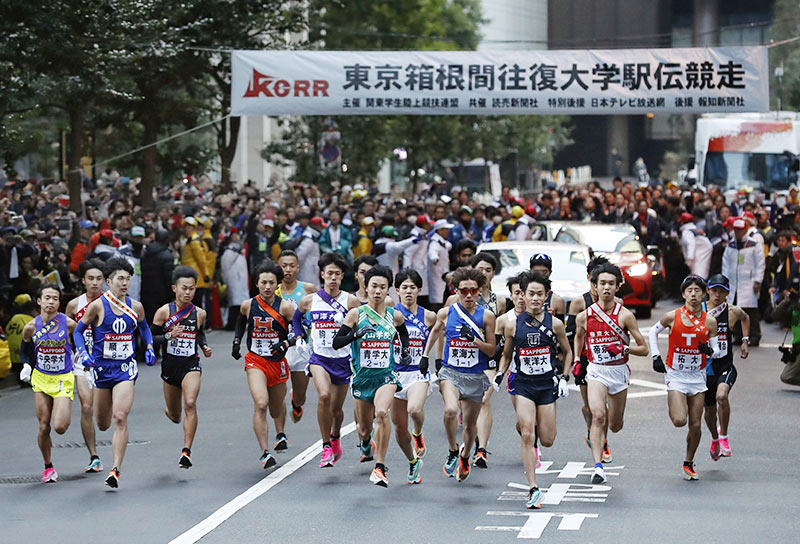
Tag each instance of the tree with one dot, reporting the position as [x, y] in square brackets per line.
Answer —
[786, 26]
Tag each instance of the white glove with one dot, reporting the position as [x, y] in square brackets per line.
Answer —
[338, 318]
[563, 388]
[303, 349]
[88, 373]
[25, 373]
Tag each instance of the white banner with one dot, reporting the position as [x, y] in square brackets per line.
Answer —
[601, 82]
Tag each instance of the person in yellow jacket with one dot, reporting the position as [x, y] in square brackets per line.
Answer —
[23, 312]
[210, 246]
[195, 255]
[363, 244]
[500, 233]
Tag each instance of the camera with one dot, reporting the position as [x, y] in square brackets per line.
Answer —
[789, 353]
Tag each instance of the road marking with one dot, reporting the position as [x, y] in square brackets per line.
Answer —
[537, 522]
[226, 511]
[647, 394]
[652, 385]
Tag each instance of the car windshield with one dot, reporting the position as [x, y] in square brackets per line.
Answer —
[570, 264]
[621, 239]
[732, 170]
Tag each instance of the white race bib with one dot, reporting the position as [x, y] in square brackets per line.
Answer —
[262, 342]
[462, 353]
[601, 356]
[375, 353]
[535, 361]
[117, 347]
[687, 362]
[182, 345]
[722, 339]
[322, 333]
[52, 359]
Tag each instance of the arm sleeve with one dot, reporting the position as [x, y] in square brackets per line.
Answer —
[77, 336]
[654, 332]
[402, 333]
[26, 353]
[241, 327]
[144, 330]
[500, 344]
[570, 325]
[297, 324]
[344, 336]
[201, 338]
[158, 335]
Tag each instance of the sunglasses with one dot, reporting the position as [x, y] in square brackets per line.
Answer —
[468, 290]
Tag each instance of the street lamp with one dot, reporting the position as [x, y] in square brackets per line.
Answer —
[779, 77]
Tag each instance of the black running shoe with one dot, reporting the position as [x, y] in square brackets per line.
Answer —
[185, 460]
[113, 478]
[282, 444]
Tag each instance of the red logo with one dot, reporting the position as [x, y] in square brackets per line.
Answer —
[271, 86]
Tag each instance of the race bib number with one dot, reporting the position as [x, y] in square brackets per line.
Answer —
[722, 338]
[462, 353]
[415, 348]
[534, 361]
[322, 333]
[88, 339]
[375, 353]
[600, 354]
[117, 347]
[52, 359]
[182, 345]
[687, 362]
[261, 342]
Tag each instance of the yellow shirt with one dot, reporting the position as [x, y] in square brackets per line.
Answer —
[14, 334]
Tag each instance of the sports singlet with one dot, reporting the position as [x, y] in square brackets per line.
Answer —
[295, 296]
[113, 338]
[52, 350]
[184, 345]
[325, 323]
[684, 353]
[417, 337]
[603, 344]
[83, 303]
[492, 304]
[373, 353]
[720, 365]
[535, 347]
[263, 333]
[459, 353]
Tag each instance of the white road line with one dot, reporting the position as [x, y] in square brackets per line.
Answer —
[647, 394]
[226, 511]
[645, 383]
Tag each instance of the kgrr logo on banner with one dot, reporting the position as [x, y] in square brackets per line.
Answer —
[270, 86]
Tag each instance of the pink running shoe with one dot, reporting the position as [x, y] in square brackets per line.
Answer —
[327, 457]
[336, 446]
[49, 475]
[724, 447]
[715, 450]
[538, 459]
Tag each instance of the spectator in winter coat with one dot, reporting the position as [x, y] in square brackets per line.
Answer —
[308, 251]
[439, 259]
[337, 238]
[363, 244]
[744, 264]
[696, 247]
[416, 256]
[233, 267]
[158, 262]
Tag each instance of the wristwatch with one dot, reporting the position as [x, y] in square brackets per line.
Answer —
[168, 335]
[746, 340]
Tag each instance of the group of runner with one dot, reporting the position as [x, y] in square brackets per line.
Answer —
[381, 352]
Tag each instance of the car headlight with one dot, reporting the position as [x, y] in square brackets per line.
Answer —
[639, 269]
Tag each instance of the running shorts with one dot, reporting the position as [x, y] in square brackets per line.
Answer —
[338, 369]
[53, 385]
[540, 392]
[173, 370]
[107, 374]
[713, 381]
[688, 383]
[409, 378]
[616, 378]
[365, 387]
[470, 386]
[276, 372]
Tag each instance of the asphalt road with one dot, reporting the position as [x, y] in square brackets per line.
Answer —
[752, 496]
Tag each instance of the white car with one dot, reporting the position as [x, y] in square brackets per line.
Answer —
[569, 264]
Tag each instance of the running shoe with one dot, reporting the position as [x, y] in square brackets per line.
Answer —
[462, 469]
[480, 459]
[185, 460]
[94, 465]
[460, 419]
[689, 473]
[327, 458]
[599, 476]
[267, 460]
[378, 477]
[49, 475]
[606, 457]
[538, 459]
[368, 452]
[415, 472]
[449, 467]
[715, 450]
[297, 411]
[419, 445]
[724, 447]
[336, 446]
[112, 480]
[588, 441]
[535, 499]
[282, 443]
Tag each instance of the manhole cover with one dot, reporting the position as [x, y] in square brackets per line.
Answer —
[33, 478]
[100, 444]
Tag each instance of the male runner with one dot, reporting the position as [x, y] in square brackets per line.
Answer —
[371, 329]
[721, 374]
[541, 263]
[329, 367]
[114, 318]
[469, 342]
[692, 339]
[47, 364]
[91, 273]
[180, 325]
[266, 319]
[410, 400]
[532, 340]
[604, 330]
[362, 264]
[292, 291]
[576, 306]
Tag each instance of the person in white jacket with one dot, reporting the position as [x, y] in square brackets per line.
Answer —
[743, 263]
[233, 268]
[416, 256]
[308, 251]
[439, 259]
[387, 249]
[696, 246]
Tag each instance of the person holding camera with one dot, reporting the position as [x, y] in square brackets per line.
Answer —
[788, 314]
[721, 374]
